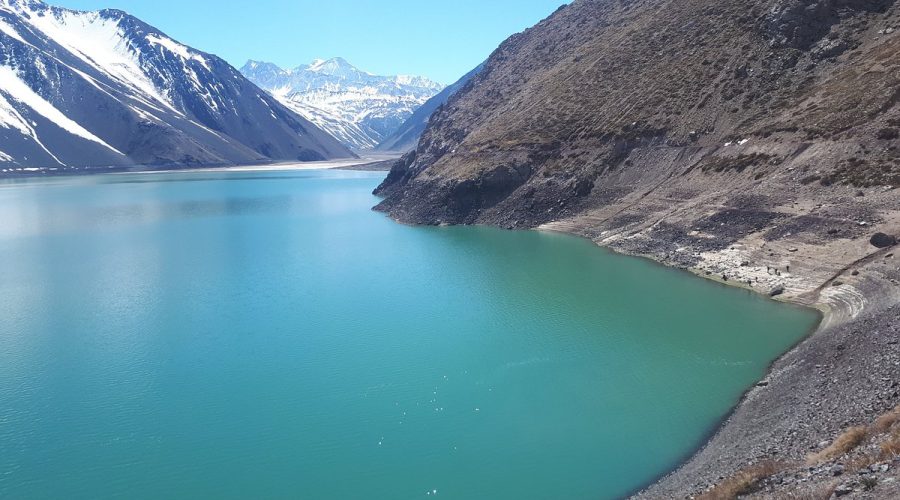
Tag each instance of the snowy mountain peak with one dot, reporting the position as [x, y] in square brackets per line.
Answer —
[82, 88]
[358, 108]
[336, 67]
[254, 65]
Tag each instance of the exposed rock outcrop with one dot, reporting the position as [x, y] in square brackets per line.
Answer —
[881, 240]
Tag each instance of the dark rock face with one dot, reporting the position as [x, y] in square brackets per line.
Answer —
[800, 24]
[398, 176]
[457, 201]
[881, 240]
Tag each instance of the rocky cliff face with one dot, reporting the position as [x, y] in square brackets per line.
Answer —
[583, 108]
[752, 141]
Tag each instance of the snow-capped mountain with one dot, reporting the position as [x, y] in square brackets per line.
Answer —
[358, 108]
[86, 89]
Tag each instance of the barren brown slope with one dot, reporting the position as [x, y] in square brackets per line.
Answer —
[563, 108]
[752, 141]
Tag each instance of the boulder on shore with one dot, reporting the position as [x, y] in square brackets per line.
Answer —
[881, 240]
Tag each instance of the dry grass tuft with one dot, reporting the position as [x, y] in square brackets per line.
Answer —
[869, 483]
[885, 429]
[743, 482]
[862, 461]
[890, 448]
[886, 421]
[850, 439]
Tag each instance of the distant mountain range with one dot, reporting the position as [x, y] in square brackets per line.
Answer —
[407, 135]
[86, 89]
[358, 108]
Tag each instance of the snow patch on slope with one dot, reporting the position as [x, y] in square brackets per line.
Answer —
[100, 42]
[18, 90]
[10, 31]
[179, 50]
[345, 131]
[10, 118]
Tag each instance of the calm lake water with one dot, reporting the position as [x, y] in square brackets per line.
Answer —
[266, 335]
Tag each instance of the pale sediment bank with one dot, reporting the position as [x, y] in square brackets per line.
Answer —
[373, 162]
[349, 164]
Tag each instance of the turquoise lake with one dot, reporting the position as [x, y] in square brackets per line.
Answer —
[266, 335]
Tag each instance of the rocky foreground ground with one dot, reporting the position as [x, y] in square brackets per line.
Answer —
[822, 423]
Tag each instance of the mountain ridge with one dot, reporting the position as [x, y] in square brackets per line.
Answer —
[357, 107]
[103, 88]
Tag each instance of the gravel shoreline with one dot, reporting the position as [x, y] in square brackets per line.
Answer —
[844, 374]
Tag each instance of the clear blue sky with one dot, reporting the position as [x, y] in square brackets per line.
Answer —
[441, 40]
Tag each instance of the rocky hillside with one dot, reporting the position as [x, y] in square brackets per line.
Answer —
[752, 141]
[97, 89]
